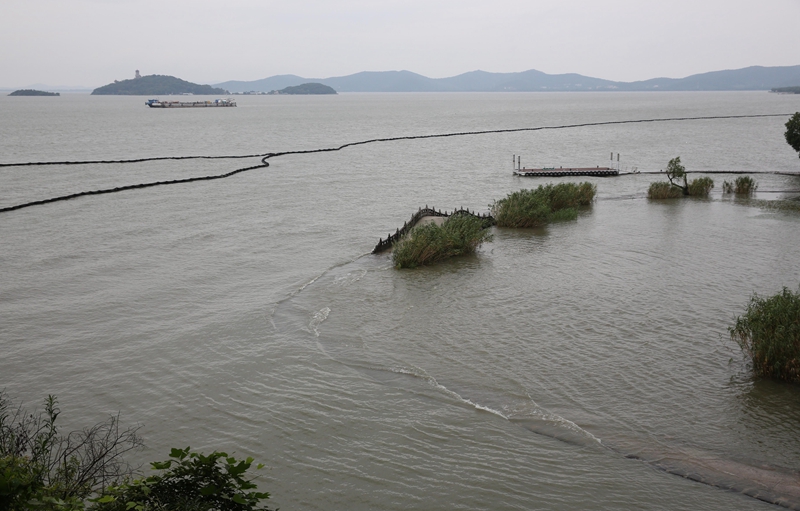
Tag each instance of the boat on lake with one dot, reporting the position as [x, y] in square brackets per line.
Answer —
[157, 103]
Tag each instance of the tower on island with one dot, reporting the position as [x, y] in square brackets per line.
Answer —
[137, 75]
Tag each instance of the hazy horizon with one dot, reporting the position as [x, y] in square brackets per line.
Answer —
[88, 43]
[91, 87]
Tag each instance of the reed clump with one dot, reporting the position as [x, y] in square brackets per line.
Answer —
[428, 244]
[744, 185]
[769, 335]
[545, 204]
[663, 190]
[700, 187]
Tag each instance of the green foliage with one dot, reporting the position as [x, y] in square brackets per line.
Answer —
[662, 190]
[793, 132]
[545, 204]
[19, 482]
[675, 170]
[744, 185]
[153, 85]
[427, 244]
[769, 334]
[188, 481]
[43, 469]
[700, 187]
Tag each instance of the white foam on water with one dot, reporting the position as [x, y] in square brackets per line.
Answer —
[421, 373]
[317, 320]
[536, 412]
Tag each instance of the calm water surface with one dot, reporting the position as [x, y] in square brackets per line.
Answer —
[559, 368]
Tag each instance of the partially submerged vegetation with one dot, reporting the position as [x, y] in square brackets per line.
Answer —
[744, 185]
[427, 244]
[545, 204]
[463, 232]
[776, 205]
[662, 190]
[676, 172]
[769, 334]
[700, 187]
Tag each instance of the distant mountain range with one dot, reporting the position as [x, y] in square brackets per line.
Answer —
[749, 78]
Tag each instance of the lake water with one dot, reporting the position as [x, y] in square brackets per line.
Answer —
[578, 366]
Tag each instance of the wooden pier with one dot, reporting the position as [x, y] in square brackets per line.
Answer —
[566, 171]
[519, 170]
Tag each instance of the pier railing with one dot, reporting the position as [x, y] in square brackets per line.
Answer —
[391, 239]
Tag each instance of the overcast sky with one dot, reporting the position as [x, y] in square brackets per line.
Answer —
[93, 42]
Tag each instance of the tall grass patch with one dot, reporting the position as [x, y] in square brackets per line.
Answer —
[431, 243]
[744, 185]
[769, 334]
[700, 187]
[663, 190]
[545, 204]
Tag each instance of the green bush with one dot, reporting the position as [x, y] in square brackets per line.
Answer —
[40, 468]
[20, 482]
[663, 190]
[769, 334]
[188, 481]
[545, 204]
[43, 470]
[700, 187]
[427, 244]
[744, 185]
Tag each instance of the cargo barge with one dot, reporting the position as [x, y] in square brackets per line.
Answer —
[157, 103]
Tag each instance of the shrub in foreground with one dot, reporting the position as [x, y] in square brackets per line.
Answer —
[188, 481]
[41, 468]
[545, 204]
[427, 244]
[744, 185]
[44, 470]
[662, 190]
[769, 334]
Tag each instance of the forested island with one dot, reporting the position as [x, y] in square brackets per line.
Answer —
[33, 92]
[306, 88]
[787, 90]
[154, 85]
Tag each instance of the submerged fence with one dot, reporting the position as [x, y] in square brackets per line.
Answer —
[265, 156]
[391, 239]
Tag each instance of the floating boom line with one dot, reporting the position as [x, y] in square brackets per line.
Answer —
[265, 156]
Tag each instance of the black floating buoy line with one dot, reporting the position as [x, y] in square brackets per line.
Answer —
[265, 156]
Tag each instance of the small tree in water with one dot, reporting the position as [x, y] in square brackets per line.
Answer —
[699, 187]
[676, 171]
